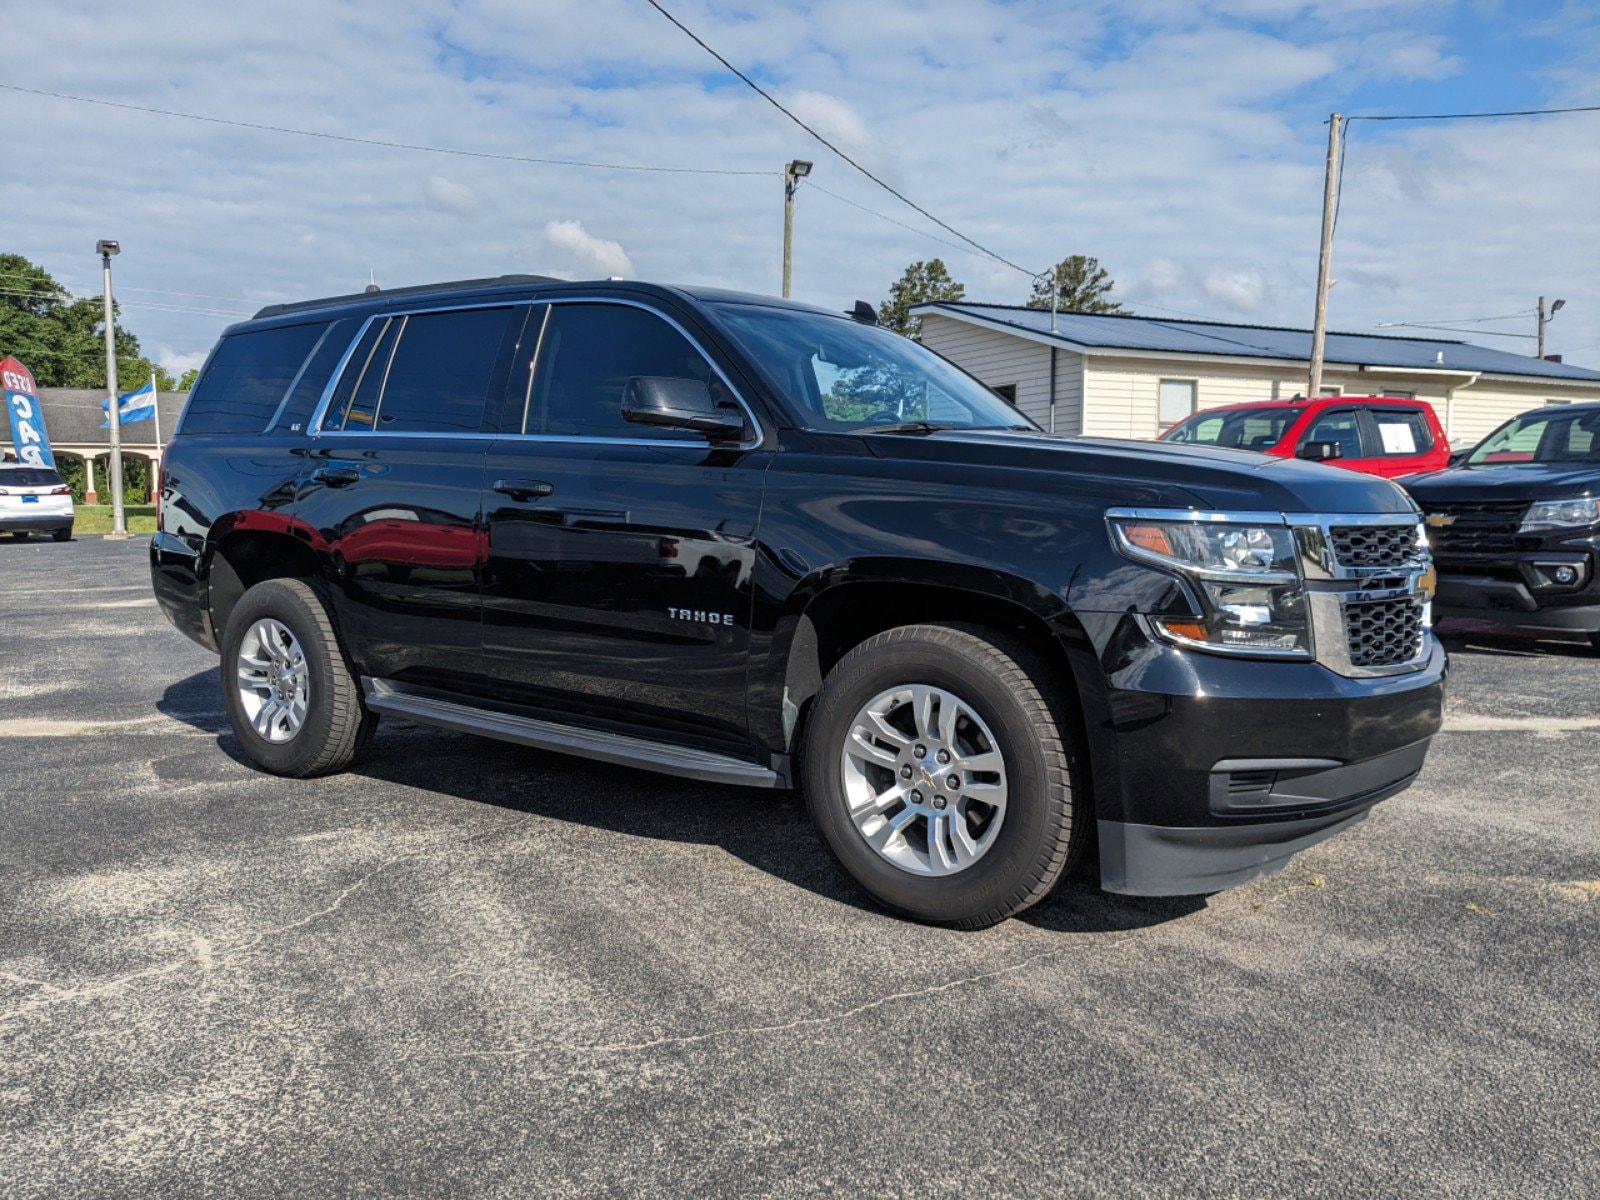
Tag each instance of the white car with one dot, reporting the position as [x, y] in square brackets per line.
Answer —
[34, 500]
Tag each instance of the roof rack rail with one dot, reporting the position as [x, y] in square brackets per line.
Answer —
[457, 285]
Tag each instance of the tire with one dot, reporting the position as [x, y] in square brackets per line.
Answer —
[1007, 699]
[61, 535]
[21, 535]
[335, 725]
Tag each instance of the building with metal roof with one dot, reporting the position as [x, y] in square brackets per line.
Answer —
[1116, 375]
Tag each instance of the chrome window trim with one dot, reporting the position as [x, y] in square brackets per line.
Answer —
[319, 414]
[533, 364]
[316, 430]
[305, 365]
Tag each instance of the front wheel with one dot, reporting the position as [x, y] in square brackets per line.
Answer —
[938, 768]
[21, 535]
[294, 705]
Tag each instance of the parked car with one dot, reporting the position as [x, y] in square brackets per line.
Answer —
[1515, 527]
[1376, 435]
[34, 500]
[754, 542]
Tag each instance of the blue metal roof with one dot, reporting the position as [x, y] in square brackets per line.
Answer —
[1163, 335]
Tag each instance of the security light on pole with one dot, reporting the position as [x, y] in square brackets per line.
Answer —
[119, 519]
[1544, 319]
[793, 173]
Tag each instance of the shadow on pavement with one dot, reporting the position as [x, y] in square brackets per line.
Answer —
[769, 830]
[1482, 637]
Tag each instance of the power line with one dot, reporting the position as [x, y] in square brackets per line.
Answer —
[872, 212]
[1473, 116]
[770, 99]
[367, 141]
[1516, 316]
[1455, 329]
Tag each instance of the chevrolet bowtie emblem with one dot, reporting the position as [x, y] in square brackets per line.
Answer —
[1440, 520]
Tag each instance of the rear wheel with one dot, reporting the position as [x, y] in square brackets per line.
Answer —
[62, 535]
[939, 770]
[294, 705]
[21, 535]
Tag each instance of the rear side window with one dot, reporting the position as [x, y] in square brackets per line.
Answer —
[423, 373]
[1401, 431]
[586, 357]
[247, 378]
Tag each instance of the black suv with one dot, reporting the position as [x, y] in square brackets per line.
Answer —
[754, 542]
[1515, 527]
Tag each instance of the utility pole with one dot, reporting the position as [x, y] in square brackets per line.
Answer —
[793, 173]
[1545, 318]
[119, 518]
[1330, 200]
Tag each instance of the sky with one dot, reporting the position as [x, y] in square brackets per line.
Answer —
[1181, 142]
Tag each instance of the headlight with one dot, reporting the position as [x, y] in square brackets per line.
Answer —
[1560, 514]
[1244, 575]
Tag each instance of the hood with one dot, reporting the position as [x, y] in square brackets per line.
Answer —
[1157, 473]
[1536, 481]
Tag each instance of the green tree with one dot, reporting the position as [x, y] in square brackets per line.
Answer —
[922, 282]
[61, 339]
[1081, 284]
[186, 382]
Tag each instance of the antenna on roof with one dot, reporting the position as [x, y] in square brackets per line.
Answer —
[372, 282]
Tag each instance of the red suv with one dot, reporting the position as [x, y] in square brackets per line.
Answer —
[1377, 435]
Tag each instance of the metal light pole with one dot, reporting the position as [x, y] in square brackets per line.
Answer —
[1544, 319]
[1330, 200]
[793, 173]
[119, 519]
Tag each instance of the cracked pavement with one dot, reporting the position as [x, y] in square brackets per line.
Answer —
[467, 968]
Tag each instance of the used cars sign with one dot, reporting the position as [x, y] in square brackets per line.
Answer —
[27, 422]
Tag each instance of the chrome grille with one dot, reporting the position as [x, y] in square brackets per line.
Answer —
[1373, 545]
[1383, 633]
[1476, 528]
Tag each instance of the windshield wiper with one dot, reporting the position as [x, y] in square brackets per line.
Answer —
[908, 427]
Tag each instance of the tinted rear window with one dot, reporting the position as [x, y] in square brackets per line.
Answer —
[28, 477]
[247, 378]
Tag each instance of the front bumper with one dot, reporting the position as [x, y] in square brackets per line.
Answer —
[1524, 602]
[1210, 770]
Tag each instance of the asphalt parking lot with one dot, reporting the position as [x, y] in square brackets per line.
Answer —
[468, 968]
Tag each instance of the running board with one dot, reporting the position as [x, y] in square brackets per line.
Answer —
[392, 699]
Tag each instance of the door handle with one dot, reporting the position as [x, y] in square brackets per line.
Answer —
[523, 489]
[336, 477]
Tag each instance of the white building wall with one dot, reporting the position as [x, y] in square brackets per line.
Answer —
[1104, 396]
[1000, 359]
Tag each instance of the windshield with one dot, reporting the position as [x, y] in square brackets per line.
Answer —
[29, 477]
[1539, 438]
[838, 374]
[1242, 429]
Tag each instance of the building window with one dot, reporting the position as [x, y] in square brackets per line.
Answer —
[1176, 401]
[1330, 390]
[1008, 393]
[1397, 395]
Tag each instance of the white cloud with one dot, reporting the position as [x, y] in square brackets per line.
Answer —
[447, 195]
[575, 251]
[1241, 289]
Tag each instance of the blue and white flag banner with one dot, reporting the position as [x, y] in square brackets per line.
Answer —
[28, 437]
[137, 405]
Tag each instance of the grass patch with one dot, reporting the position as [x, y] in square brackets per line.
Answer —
[96, 518]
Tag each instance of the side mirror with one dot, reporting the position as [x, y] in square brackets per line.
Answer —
[1457, 457]
[680, 404]
[1320, 451]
